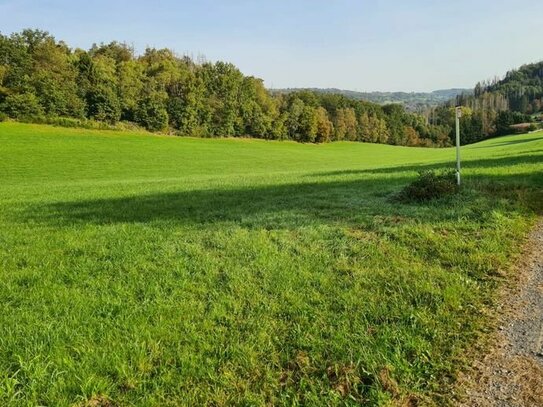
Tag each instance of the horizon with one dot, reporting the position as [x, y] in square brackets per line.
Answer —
[374, 91]
[347, 45]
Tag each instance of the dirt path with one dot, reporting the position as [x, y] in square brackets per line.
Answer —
[511, 374]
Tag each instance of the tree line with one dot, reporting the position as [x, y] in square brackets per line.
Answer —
[415, 102]
[496, 105]
[41, 77]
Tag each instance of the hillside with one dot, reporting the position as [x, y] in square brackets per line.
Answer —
[501, 106]
[138, 269]
[522, 88]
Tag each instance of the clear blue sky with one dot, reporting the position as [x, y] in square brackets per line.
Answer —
[361, 45]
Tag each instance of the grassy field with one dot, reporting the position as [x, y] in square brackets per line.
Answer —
[145, 270]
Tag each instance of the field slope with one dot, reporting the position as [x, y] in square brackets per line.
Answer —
[147, 270]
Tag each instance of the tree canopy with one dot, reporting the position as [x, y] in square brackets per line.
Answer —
[495, 106]
[162, 91]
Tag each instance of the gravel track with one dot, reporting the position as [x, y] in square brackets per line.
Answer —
[511, 373]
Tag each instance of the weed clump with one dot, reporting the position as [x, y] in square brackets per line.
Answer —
[430, 185]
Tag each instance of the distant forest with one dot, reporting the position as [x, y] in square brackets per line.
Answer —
[44, 80]
[497, 105]
[415, 102]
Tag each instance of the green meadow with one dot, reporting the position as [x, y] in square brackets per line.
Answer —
[141, 270]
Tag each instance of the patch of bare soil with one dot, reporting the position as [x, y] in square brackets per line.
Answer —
[511, 373]
[97, 401]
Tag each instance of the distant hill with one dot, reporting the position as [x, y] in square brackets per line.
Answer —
[522, 88]
[413, 101]
[503, 105]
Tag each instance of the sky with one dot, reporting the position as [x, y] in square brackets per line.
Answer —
[363, 45]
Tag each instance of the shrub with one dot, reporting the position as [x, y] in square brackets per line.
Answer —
[21, 105]
[152, 114]
[78, 123]
[430, 185]
[103, 105]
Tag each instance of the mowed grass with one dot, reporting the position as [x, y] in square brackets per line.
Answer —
[140, 270]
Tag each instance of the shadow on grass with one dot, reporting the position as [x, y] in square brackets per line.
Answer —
[343, 201]
[513, 142]
[288, 204]
[531, 157]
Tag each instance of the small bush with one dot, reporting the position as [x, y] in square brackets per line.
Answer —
[430, 185]
[21, 105]
[152, 115]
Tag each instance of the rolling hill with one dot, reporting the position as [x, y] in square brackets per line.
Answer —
[152, 270]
